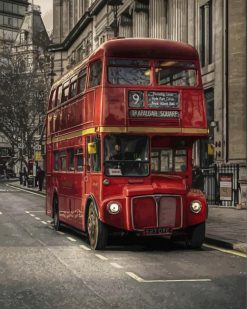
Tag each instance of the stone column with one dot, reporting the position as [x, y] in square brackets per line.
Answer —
[57, 7]
[71, 15]
[140, 19]
[174, 20]
[65, 18]
[191, 22]
[184, 11]
[206, 34]
[157, 17]
[125, 26]
[75, 12]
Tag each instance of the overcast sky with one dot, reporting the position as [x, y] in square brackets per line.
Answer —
[46, 10]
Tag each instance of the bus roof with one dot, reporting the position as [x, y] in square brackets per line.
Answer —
[148, 48]
[137, 48]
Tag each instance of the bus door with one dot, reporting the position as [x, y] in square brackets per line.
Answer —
[49, 184]
[78, 185]
[93, 167]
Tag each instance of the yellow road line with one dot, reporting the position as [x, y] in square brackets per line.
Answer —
[228, 251]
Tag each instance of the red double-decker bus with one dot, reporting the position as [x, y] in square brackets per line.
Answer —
[120, 132]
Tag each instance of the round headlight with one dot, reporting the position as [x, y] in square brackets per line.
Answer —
[196, 207]
[113, 208]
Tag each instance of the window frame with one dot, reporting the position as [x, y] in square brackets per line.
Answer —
[70, 167]
[82, 75]
[173, 160]
[73, 82]
[97, 61]
[148, 65]
[79, 152]
[65, 89]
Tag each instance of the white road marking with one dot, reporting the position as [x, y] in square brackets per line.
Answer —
[50, 227]
[141, 280]
[84, 248]
[1, 213]
[32, 215]
[229, 251]
[60, 233]
[49, 221]
[19, 189]
[44, 222]
[27, 212]
[101, 257]
[37, 218]
[71, 239]
[116, 265]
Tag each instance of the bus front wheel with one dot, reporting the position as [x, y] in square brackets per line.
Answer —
[56, 214]
[196, 236]
[97, 230]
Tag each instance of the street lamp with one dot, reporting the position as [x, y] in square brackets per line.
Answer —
[115, 4]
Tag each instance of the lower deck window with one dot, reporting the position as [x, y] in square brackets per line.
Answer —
[168, 160]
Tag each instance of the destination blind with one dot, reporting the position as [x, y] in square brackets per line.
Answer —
[165, 99]
[144, 113]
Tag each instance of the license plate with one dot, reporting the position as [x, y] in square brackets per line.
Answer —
[157, 231]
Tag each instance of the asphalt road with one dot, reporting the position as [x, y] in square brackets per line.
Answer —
[41, 268]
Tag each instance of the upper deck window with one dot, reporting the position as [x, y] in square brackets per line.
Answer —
[52, 99]
[81, 80]
[172, 73]
[65, 92]
[59, 95]
[95, 74]
[73, 85]
[128, 72]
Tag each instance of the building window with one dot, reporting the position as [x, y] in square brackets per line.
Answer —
[206, 33]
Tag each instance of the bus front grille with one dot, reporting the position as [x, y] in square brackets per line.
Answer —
[156, 211]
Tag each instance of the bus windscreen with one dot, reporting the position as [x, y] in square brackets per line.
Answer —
[171, 73]
[126, 155]
[128, 72]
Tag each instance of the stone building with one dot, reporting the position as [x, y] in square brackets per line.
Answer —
[217, 28]
[11, 17]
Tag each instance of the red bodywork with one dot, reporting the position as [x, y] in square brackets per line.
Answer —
[156, 200]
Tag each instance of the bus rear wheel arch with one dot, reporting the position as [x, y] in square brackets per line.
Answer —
[97, 231]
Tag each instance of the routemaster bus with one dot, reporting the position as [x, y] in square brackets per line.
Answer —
[120, 131]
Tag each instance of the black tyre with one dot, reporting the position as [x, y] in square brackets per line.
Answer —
[97, 231]
[57, 225]
[196, 236]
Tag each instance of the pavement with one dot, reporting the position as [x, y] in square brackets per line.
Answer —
[226, 226]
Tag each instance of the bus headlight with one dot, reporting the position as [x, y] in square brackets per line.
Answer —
[114, 208]
[196, 207]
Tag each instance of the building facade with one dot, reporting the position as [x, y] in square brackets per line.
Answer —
[27, 55]
[11, 17]
[217, 28]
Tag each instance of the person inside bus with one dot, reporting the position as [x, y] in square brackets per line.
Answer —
[117, 153]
